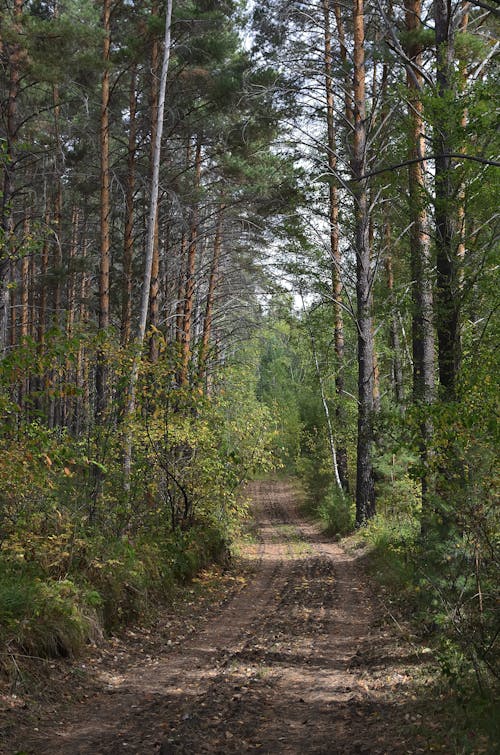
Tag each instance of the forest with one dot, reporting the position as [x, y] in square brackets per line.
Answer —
[248, 241]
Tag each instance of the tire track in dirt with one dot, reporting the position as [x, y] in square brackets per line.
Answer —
[109, 722]
[283, 667]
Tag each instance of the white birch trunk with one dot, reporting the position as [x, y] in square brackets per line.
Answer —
[146, 286]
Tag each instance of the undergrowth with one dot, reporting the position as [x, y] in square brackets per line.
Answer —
[86, 548]
[434, 585]
[50, 610]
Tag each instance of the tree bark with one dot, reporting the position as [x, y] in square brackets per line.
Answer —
[155, 267]
[394, 342]
[57, 256]
[14, 54]
[190, 275]
[151, 227]
[420, 253]
[128, 239]
[463, 123]
[212, 285]
[336, 257]
[365, 489]
[44, 264]
[105, 256]
[348, 104]
[448, 300]
[25, 265]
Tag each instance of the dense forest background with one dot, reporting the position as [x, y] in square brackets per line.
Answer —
[238, 238]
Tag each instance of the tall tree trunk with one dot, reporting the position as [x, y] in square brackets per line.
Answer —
[191, 270]
[349, 114]
[463, 123]
[155, 268]
[25, 265]
[11, 133]
[181, 289]
[105, 257]
[420, 252]
[394, 343]
[212, 285]
[448, 300]
[128, 239]
[151, 228]
[421, 260]
[365, 489]
[68, 409]
[44, 264]
[57, 258]
[13, 279]
[341, 454]
[82, 410]
[24, 304]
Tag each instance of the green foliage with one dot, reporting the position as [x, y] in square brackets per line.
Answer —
[336, 512]
[44, 617]
[74, 562]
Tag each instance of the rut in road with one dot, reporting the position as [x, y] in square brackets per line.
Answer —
[285, 666]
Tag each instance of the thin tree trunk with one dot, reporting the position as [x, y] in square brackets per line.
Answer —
[190, 276]
[13, 278]
[463, 123]
[82, 410]
[25, 265]
[448, 300]
[345, 62]
[32, 295]
[394, 343]
[24, 303]
[128, 240]
[153, 212]
[57, 259]
[69, 407]
[326, 410]
[331, 439]
[181, 290]
[371, 236]
[341, 455]
[365, 489]
[105, 260]
[155, 268]
[70, 319]
[421, 261]
[397, 383]
[212, 285]
[44, 263]
[420, 254]
[11, 133]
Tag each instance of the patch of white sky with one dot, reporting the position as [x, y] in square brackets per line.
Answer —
[301, 139]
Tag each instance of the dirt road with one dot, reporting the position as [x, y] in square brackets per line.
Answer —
[298, 661]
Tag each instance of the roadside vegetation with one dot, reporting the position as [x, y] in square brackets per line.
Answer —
[74, 566]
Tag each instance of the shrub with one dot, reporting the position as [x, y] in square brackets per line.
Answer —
[336, 512]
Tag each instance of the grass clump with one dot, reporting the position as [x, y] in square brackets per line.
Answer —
[45, 618]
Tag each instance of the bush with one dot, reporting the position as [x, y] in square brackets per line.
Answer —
[336, 513]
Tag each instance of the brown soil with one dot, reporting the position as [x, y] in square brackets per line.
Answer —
[289, 653]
